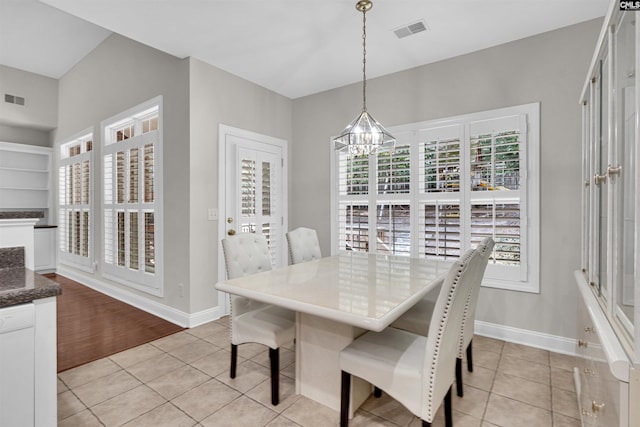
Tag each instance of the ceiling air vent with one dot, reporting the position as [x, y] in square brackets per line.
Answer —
[12, 99]
[411, 29]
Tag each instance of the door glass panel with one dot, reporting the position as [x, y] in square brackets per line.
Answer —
[626, 136]
[259, 197]
[248, 187]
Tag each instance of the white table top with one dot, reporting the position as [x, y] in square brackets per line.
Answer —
[369, 291]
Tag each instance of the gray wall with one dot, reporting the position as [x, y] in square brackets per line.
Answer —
[120, 74]
[33, 122]
[549, 68]
[218, 97]
[25, 135]
[40, 110]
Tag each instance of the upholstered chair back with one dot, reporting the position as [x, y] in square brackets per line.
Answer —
[303, 245]
[246, 253]
[444, 332]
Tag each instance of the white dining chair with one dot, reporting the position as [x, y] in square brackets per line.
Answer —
[303, 245]
[468, 320]
[415, 370]
[253, 321]
[418, 317]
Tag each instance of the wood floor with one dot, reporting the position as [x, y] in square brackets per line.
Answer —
[92, 325]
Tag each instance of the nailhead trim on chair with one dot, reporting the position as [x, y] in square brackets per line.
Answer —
[485, 246]
[429, 409]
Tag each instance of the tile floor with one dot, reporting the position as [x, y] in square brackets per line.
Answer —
[183, 380]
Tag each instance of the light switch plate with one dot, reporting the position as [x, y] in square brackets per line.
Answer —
[212, 214]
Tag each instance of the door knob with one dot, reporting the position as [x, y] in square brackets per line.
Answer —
[231, 232]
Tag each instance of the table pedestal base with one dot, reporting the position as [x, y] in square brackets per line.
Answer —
[318, 345]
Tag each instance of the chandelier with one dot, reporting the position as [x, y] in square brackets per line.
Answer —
[364, 135]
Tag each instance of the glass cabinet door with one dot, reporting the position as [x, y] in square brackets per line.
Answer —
[622, 169]
[586, 189]
[601, 185]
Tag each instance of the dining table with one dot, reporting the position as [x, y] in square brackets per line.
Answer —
[337, 299]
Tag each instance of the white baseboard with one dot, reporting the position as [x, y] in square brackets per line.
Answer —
[522, 336]
[204, 316]
[170, 314]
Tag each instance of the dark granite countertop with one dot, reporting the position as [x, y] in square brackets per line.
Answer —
[20, 285]
[45, 226]
[21, 214]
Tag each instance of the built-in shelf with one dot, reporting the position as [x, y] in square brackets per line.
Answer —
[25, 176]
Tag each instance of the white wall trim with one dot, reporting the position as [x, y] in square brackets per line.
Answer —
[205, 316]
[163, 311]
[522, 336]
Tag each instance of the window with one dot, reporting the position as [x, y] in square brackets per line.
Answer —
[75, 197]
[131, 207]
[448, 184]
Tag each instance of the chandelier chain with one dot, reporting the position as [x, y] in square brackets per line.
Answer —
[364, 60]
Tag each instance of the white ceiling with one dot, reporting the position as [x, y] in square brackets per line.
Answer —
[293, 47]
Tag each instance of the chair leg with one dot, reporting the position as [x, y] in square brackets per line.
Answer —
[274, 355]
[470, 356]
[345, 391]
[234, 360]
[377, 392]
[448, 418]
[459, 376]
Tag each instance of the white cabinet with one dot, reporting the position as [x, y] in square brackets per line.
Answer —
[25, 176]
[45, 255]
[17, 350]
[603, 372]
[609, 279]
[28, 381]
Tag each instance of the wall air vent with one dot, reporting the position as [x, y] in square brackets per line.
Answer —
[411, 29]
[12, 99]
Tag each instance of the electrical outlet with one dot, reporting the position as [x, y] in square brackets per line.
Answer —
[181, 289]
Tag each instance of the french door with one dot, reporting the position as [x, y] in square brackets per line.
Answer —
[253, 190]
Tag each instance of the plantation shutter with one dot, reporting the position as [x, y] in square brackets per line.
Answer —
[74, 201]
[260, 197]
[440, 230]
[498, 180]
[353, 197]
[130, 204]
[392, 201]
